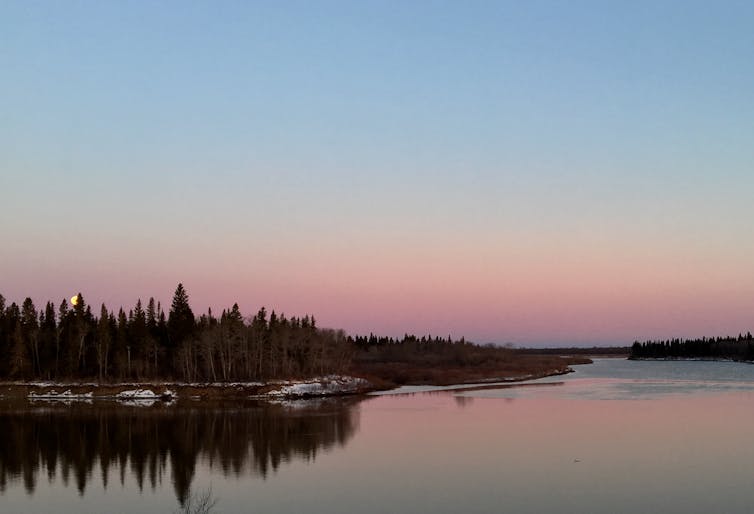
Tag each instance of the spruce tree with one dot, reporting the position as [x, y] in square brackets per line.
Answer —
[122, 355]
[104, 339]
[138, 335]
[151, 316]
[152, 348]
[30, 331]
[47, 339]
[181, 322]
[181, 327]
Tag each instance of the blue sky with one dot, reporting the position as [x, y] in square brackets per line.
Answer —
[365, 159]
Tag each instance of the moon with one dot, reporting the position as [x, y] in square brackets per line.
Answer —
[74, 300]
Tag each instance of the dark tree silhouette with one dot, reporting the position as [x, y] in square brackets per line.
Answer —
[739, 348]
[41, 441]
[146, 344]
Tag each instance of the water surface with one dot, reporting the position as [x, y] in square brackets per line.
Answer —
[616, 436]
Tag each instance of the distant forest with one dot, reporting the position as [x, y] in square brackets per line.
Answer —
[577, 350]
[739, 348]
[147, 343]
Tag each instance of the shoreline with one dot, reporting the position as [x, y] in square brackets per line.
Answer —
[150, 392]
[691, 359]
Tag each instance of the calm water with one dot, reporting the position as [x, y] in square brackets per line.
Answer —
[617, 436]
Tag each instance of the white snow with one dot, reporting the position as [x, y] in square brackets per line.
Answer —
[65, 395]
[320, 386]
[137, 393]
[143, 394]
[140, 402]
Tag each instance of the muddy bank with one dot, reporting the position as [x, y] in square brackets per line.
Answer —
[167, 391]
[521, 367]
[380, 377]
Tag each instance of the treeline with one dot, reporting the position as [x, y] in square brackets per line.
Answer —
[442, 361]
[577, 350]
[148, 343]
[736, 348]
[433, 350]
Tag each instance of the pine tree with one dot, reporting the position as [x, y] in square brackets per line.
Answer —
[81, 330]
[20, 366]
[138, 335]
[152, 349]
[103, 342]
[4, 338]
[47, 339]
[30, 332]
[181, 328]
[19, 361]
[181, 321]
[122, 350]
[61, 336]
[232, 332]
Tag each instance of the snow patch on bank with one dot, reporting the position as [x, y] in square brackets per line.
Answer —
[141, 397]
[145, 402]
[65, 395]
[321, 386]
[143, 394]
[144, 397]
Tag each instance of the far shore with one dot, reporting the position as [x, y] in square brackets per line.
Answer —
[691, 359]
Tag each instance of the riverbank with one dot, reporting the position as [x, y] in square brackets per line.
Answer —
[151, 391]
[692, 359]
[329, 385]
[487, 365]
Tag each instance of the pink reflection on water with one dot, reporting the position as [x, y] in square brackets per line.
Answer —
[668, 454]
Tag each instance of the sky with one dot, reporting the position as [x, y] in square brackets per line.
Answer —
[537, 173]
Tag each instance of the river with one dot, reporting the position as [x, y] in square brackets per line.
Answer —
[615, 436]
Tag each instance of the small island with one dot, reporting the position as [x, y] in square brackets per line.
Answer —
[148, 354]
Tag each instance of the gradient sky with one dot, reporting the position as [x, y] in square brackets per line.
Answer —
[526, 172]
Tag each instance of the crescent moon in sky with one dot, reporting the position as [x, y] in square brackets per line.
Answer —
[74, 300]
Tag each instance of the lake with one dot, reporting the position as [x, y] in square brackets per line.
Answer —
[615, 436]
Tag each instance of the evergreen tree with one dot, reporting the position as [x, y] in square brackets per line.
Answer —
[181, 328]
[153, 338]
[122, 346]
[20, 366]
[30, 332]
[139, 342]
[47, 340]
[232, 334]
[4, 338]
[181, 322]
[104, 339]
[61, 338]
[162, 341]
[151, 315]
[79, 334]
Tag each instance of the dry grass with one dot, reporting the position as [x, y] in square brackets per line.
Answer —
[422, 372]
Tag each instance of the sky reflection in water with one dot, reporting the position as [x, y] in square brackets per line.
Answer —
[620, 379]
[616, 436]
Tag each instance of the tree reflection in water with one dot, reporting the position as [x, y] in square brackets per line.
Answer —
[242, 439]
